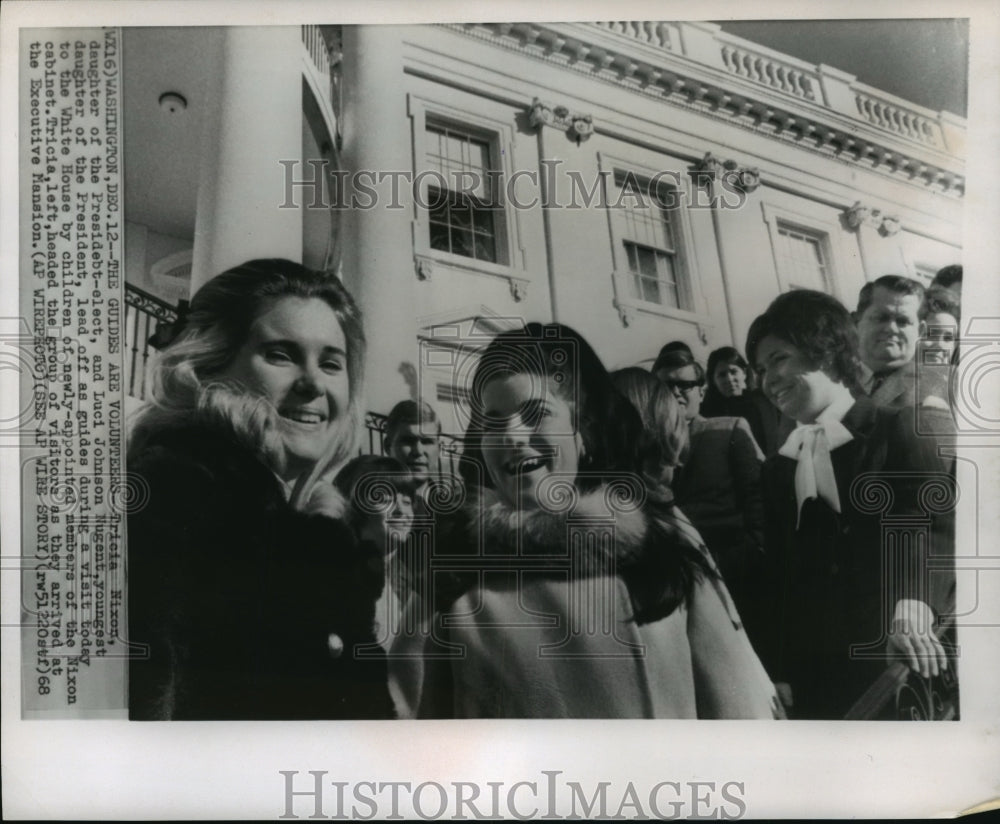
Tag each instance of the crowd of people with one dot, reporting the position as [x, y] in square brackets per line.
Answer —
[679, 542]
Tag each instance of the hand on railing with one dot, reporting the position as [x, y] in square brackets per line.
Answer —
[912, 635]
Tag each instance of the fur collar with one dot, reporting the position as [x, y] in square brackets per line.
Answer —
[540, 531]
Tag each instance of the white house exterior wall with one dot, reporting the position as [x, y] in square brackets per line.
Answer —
[565, 257]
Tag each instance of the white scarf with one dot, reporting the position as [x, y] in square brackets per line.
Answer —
[810, 445]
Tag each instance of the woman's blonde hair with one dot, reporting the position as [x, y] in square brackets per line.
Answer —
[665, 430]
[187, 386]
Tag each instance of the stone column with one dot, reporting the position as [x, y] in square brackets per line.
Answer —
[254, 120]
[378, 264]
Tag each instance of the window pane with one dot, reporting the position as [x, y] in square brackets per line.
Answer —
[650, 239]
[465, 224]
[651, 290]
[654, 275]
[801, 258]
[439, 237]
[461, 242]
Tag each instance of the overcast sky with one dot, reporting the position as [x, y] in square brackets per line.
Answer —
[923, 61]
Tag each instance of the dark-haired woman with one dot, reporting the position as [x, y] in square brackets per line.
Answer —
[247, 595]
[844, 600]
[589, 600]
[731, 393]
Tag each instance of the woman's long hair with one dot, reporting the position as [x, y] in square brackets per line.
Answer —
[187, 386]
[665, 432]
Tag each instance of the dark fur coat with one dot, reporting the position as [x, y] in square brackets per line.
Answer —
[233, 596]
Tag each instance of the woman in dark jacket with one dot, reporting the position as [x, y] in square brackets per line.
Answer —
[248, 597]
[844, 598]
[731, 393]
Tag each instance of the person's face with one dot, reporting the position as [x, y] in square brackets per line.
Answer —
[688, 389]
[938, 342]
[530, 437]
[417, 450]
[295, 355]
[889, 329]
[730, 379]
[395, 519]
[791, 382]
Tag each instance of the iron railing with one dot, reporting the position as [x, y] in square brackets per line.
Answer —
[449, 453]
[143, 314]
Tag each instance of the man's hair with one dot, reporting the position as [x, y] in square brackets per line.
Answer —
[677, 355]
[409, 413]
[893, 283]
[949, 276]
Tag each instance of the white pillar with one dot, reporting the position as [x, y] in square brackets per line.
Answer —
[254, 120]
[378, 263]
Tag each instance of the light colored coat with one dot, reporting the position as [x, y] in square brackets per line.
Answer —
[540, 643]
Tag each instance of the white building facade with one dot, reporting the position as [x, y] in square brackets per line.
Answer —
[641, 182]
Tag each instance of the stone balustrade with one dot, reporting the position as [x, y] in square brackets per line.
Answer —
[825, 86]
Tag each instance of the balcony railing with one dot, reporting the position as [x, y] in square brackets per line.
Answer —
[449, 452]
[688, 56]
[781, 75]
[900, 694]
[143, 312]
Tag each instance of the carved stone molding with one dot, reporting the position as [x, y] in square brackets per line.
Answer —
[518, 289]
[626, 313]
[743, 178]
[577, 126]
[424, 268]
[861, 215]
[860, 128]
[890, 225]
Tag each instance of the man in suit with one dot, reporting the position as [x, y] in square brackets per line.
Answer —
[889, 326]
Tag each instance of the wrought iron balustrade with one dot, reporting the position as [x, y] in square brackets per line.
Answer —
[143, 313]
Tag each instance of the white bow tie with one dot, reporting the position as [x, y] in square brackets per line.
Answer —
[810, 445]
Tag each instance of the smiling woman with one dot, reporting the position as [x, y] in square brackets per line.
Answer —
[248, 593]
[842, 600]
[589, 594]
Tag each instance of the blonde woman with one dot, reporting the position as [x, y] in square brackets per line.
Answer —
[247, 594]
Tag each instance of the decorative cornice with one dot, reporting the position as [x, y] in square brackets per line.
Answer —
[861, 215]
[743, 178]
[578, 127]
[862, 129]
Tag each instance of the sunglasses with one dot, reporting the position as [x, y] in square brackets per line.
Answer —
[684, 386]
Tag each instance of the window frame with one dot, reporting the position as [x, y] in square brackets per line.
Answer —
[693, 307]
[824, 230]
[475, 121]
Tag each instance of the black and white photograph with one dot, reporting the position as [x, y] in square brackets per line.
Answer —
[446, 412]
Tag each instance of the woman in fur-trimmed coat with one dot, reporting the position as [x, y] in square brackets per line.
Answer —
[248, 596]
[560, 590]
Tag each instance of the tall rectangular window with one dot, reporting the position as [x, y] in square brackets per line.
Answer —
[802, 258]
[649, 237]
[463, 215]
